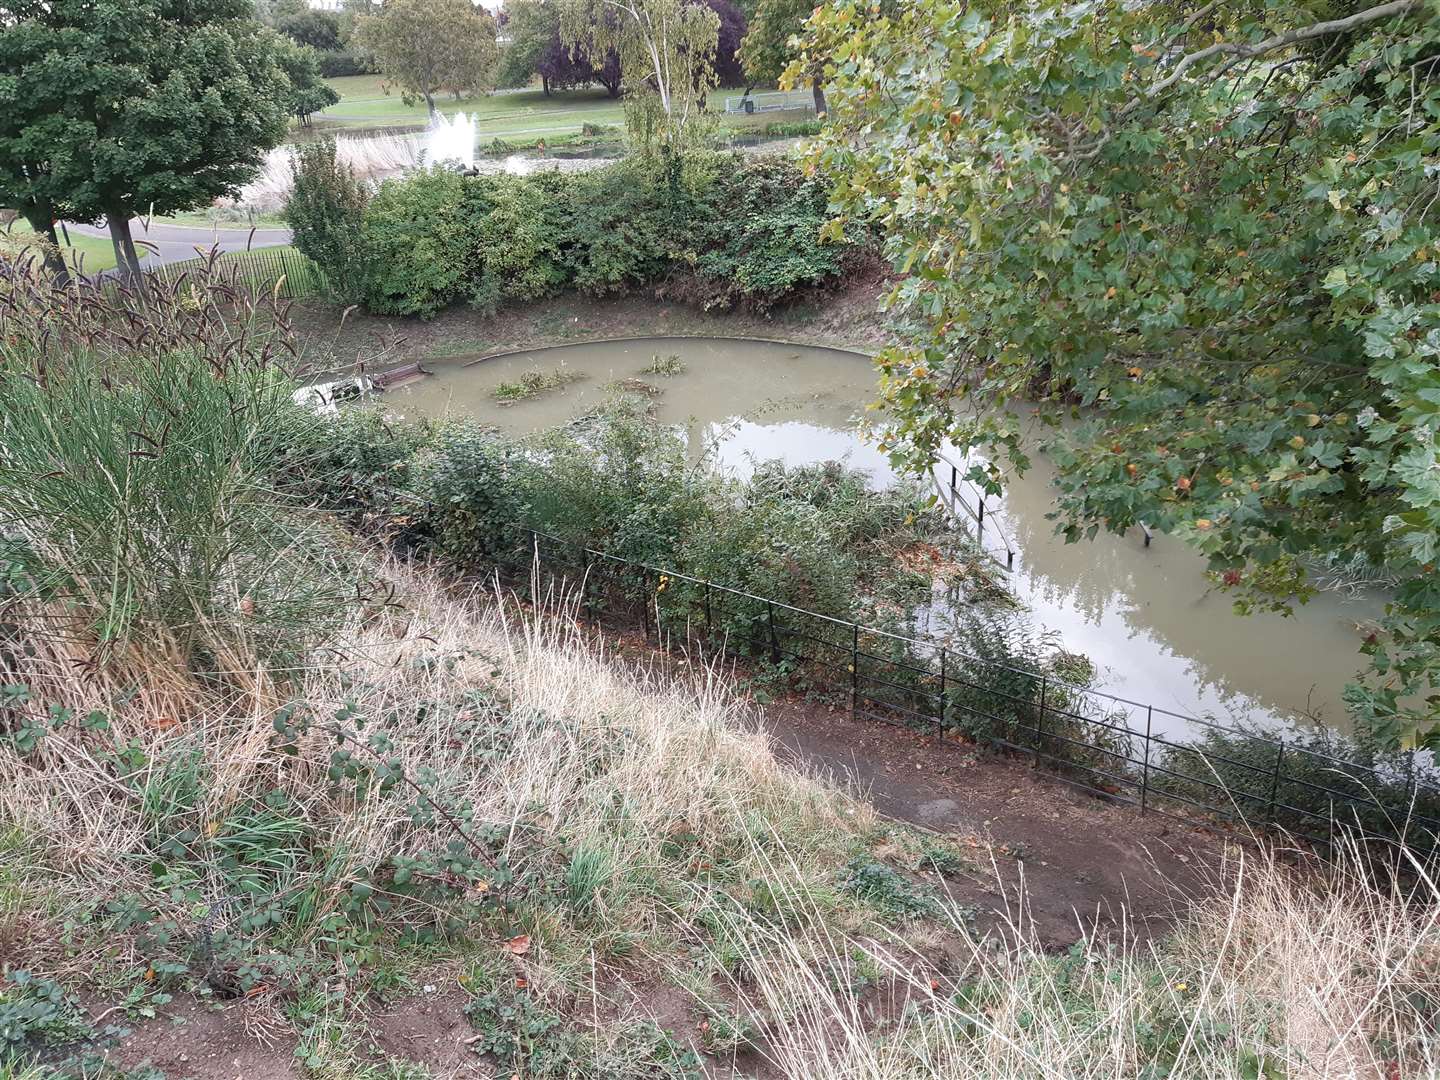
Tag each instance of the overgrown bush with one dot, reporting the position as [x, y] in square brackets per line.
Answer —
[714, 229]
[617, 232]
[519, 233]
[421, 240]
[1301, 780]
[814, 537]
[757, 239]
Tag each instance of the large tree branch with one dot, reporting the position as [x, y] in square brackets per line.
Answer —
[1290, 37]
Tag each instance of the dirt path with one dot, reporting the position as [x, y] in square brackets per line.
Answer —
[1085, 864]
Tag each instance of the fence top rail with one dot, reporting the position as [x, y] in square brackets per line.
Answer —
[936, 646]
[1098, 696]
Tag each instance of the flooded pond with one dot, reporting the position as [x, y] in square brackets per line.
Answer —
[1146, 616]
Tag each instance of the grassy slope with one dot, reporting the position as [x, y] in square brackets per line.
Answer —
[662, 853]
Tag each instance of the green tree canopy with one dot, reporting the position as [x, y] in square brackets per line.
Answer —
[429, 46]
[309, 93]
[530, 26]
[110, 108]
[318, 29]
[1205, 234]
[767, 51]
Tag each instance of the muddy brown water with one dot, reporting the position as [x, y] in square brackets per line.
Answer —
[1146, 616]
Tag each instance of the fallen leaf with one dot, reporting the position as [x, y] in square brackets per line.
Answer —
[519, 944]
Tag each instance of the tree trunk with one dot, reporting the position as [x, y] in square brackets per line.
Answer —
[126, 261]
[545, 84]
[42, 221]
[430, 104]
[819, 93]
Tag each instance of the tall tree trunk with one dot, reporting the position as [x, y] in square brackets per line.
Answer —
[818, 92]
[43, 221]
[545, 84]
[430, 104]
[126, 261]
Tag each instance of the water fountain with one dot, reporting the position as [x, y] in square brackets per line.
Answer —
[451, 140]
[447, 141]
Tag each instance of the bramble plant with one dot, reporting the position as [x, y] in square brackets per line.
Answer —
[1207, 234]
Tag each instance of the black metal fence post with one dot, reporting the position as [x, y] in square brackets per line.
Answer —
[1275, 780]
[1145, 769]
[709, 622]
[1040, 727]
[774, 641]
[854, 669]
[940, 712]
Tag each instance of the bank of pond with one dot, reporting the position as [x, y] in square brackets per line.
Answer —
[740, 463]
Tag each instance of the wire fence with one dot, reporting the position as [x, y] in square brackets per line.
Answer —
[1126, 751]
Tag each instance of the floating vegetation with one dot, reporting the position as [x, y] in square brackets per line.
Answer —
[664, 365]
[532, 383]
[634, 386]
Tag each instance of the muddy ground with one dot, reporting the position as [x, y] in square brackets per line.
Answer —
[848, 318]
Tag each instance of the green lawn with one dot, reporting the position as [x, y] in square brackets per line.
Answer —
[216, 219]
[522, 114]
[86, 254]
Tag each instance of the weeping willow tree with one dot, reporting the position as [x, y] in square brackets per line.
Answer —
[667, 61]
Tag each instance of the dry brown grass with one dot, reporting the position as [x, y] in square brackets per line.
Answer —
[1313, 975]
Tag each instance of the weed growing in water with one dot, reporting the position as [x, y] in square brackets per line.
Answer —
[533, 383]
[664, 365]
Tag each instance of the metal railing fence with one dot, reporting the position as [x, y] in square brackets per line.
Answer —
[1126, 751]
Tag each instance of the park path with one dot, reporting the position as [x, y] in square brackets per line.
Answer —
[175, 243]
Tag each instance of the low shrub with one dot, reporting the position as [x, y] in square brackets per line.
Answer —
[712, 229]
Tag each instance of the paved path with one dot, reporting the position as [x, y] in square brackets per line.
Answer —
[176, 243]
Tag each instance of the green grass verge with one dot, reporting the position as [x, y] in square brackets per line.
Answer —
[84, 254]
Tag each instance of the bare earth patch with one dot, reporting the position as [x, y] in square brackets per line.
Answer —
[845, 318]
[194, 1039]
[1081, 861]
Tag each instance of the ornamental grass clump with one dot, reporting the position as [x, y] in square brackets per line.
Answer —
[140, 541]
